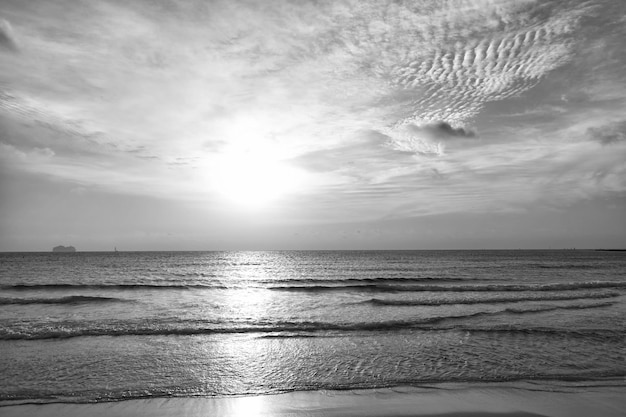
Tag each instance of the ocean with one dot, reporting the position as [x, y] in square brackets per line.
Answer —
[96, 326]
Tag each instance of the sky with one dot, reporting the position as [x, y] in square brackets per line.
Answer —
[256, 125]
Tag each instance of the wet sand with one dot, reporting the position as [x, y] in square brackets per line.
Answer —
[452, 400]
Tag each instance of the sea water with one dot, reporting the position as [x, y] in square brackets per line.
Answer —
[85, 327]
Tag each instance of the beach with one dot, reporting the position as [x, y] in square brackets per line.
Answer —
[451, 400]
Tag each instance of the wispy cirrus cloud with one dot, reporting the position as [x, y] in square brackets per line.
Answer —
[7, 37]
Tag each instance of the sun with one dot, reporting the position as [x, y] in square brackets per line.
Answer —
[253, 180]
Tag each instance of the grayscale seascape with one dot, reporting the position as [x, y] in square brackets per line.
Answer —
[87, 327]
[312, 208]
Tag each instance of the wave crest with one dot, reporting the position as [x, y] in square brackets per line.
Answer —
[66, 330]
[71, 299]
[456, 288]
[498, 300]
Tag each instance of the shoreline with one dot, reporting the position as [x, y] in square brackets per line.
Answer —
[524, 399]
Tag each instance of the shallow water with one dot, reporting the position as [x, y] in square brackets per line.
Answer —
[110, 326]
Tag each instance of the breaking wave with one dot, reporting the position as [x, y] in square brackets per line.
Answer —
[66, 330]
[72, 299]
[498, 300]
[166, 286]
[456, 288]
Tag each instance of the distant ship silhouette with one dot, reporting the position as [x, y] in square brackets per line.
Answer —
[61, 248]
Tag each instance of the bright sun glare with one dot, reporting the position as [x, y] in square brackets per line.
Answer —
[254, 180]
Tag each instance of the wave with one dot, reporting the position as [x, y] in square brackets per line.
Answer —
[548, 382]
[553, 308]
[456, 288]
[402, 303]
[193, 274]
[72, 299]
[28, 287]
[598, 334]
[606, 335]
[336, 283]
[567, 266]
[350, 284]
[65, 330]
[362, 281]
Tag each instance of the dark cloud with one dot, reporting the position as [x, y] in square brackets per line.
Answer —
[609, 134]
[443, 130]
[7, 39]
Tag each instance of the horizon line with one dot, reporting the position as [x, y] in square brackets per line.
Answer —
[321, 250]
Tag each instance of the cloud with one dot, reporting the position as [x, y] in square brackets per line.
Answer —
[487, 53]
[425, 139]
[7, 38]
[12, 154]
[27, 120]
[444, 130]
[608, 135]
[373, 97]
[366, 153]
